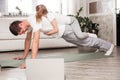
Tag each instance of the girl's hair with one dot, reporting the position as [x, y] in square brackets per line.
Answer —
[40, 11]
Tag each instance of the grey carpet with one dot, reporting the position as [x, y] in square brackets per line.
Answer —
[67, 58]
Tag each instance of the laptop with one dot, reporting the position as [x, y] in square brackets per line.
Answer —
[45, 69]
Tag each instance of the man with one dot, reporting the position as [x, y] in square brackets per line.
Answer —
[70, 32]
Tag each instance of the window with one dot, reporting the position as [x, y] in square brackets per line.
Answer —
[24, 5]
[29, 6]
[52, 5]
[118, 6]
[93, 7]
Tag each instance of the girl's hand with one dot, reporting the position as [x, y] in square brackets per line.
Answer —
[47, 33]
[55, 28]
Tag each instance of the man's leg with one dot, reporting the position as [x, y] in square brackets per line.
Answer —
[77, 29]
[101, 44]
[70, 36]
[110, 50]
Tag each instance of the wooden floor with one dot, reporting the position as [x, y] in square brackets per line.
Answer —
[95, 69]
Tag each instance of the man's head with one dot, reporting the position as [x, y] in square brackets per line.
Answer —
[17, 28]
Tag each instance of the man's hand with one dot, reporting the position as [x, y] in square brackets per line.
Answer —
[19, 58]
[22, 66]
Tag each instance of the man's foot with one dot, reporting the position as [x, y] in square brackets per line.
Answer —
[97, 50]
[109, 52]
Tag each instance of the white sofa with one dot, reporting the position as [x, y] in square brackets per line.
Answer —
[9, 42]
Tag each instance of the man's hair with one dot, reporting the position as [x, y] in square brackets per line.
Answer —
[14, 27]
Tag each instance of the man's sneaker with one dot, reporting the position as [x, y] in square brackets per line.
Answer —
[97, 50]
[109, 52]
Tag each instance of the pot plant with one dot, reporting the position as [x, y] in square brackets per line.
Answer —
[20, 12]
[85, 23]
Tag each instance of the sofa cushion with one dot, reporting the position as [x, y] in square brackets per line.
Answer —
[9, 36]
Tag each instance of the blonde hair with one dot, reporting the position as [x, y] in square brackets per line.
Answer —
[40, 11]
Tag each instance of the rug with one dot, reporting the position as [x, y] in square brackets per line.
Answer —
[10, 63]
[67, 58]
[78, 56]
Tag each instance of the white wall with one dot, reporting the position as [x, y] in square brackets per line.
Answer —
[105, 16]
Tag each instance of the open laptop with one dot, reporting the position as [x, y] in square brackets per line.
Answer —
[45, 69]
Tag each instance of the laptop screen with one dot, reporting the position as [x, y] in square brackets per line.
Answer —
[45, 69]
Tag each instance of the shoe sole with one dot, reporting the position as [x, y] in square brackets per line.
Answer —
[109, 52]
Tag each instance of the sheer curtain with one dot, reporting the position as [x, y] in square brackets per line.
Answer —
[52, 5]
[28, 6]
[118, 6]
[56, 6]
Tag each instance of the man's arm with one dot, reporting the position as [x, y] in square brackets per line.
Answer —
[35, 44]
[27, 44]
